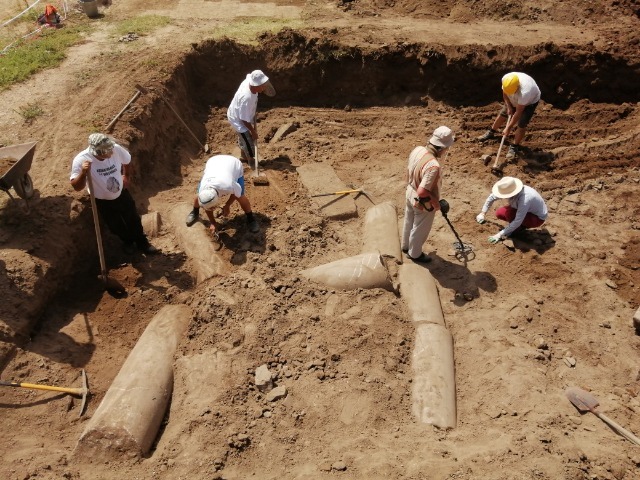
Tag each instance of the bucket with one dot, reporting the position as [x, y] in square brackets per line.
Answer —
[90, 7]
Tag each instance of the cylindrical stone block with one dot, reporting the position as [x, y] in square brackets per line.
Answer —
[366, 270]
[434, 384]
[420, 294]
[381, 231]
[129, 416]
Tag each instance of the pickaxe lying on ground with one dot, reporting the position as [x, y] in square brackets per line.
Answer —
[359, 192]
[82, 391]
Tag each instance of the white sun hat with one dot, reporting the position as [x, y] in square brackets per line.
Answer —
[442, 137]
[507, 187]
[257, 78]
[208, 198]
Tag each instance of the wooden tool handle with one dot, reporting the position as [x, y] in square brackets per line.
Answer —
[75, 391]
[343, 192]
[622, 431]
[495, 164]
[96, 223]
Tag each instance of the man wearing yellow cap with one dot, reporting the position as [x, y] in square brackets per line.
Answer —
[521, 96]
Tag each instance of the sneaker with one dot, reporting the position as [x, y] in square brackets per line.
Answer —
[423, 258]
[192, 218]
[513, 151]
[253, 226]
[488, 135]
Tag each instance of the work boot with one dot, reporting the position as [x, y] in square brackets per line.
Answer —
[488, 135]
[192, 218]
[513, 151]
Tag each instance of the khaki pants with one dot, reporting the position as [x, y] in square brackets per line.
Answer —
[417, 225]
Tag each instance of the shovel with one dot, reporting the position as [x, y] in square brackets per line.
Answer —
[112, 286]
[257, 177]
[204, 146]
[585, 402]
[495, 169]
[82, 391]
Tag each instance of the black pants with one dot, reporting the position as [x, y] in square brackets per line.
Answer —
[122, 218]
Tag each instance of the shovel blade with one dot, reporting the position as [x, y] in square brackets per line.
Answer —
[581, 399]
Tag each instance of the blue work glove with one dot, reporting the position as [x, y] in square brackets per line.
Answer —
[495, 238]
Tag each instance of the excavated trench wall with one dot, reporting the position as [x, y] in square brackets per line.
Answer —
[320, 72]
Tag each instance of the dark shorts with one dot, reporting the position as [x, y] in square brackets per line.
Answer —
[246, 144]
[529, 110]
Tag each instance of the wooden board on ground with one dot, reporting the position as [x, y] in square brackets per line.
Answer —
[321, 178]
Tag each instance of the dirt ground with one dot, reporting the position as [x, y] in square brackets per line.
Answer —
[363, 81]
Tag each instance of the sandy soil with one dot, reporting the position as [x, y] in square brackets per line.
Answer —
[364, 82]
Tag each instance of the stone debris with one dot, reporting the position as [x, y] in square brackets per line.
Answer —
[276, 394]
[263, 378]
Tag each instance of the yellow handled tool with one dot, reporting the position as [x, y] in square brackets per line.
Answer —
[343, 192]
[81, 391]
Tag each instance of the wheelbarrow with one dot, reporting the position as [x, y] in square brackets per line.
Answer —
[15, 162]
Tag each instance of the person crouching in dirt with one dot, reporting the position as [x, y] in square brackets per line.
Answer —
[223, 176]
[109, 165]
[242, 111]
[521, 96]
[526, 208]
[423, 177]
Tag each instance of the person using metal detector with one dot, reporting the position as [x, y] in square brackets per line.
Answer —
[422, 195]
[521, 95]
[526, 208]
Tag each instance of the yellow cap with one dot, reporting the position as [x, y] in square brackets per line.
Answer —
[510, 83]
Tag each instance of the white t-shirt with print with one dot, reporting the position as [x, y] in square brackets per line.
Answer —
[528, 92]
[222, 172]
[243, 107]
[106, 175]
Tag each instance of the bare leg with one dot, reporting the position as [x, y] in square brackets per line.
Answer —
[519, 135]
[498, 122]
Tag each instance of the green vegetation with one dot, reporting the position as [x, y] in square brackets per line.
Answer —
[36, 53]
[30, 112]
[246, 30]
[142, 25]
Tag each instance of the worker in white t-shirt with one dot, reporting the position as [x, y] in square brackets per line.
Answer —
[521, 96]
[109, 165]
[242, 111]
[223, 177]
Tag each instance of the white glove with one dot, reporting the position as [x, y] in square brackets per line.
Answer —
[495, 238]
[480, 218]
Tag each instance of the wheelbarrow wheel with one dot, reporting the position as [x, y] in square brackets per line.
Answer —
[24, 187]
